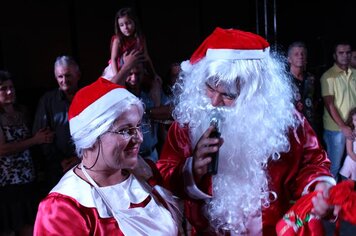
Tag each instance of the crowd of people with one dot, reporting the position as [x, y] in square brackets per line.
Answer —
[133, 152]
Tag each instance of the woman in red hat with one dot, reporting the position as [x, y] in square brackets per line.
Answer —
[112, 191]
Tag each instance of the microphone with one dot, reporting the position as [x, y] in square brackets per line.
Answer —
[213, 165]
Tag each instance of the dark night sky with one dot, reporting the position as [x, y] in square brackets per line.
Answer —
[319, 24]
[34, 32]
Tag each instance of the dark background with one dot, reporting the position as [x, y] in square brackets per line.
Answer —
[34, 32]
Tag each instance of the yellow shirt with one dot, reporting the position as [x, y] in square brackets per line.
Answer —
[342, 85]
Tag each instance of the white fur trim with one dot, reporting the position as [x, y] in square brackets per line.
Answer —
[73, 186]
[327, 179]
[97, 108]
[191, 188]
[107, 73]
[186, 66]
[233, 54]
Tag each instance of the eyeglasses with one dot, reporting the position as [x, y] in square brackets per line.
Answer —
[128, 133]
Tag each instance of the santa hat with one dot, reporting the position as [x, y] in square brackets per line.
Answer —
[91, 103]
[231, 44]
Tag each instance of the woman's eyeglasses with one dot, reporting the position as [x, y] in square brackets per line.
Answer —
[129, 132]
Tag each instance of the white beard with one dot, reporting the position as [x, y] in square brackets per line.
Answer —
[241, 185]
[255, 129]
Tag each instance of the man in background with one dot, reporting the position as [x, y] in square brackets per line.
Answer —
[51, 113]
[339, 94]
[307, 95]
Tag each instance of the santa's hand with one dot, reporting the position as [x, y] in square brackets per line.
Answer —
[321, 206]
[202, 153]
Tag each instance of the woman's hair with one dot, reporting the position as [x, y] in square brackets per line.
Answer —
[127, 11]
[349, 118]
[4, 76]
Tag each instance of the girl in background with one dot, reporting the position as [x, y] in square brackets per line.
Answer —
[128, 38]
[348, 169]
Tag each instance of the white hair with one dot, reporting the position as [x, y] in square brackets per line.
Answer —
[86, 138]
[255, 129]
[66, 61]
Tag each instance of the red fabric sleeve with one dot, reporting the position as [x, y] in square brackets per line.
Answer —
[61, 215]
[304, 163]
[315, 162]
[57, 216]
[175, 151]
[344, 195]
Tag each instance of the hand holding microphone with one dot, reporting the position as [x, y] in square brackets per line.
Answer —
[213, 165]
[208, 146]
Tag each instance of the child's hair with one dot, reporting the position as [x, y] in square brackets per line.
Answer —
[349, 118]
[127, 11]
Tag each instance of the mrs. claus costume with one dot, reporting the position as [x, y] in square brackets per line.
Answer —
[136, 206]
[270, 156]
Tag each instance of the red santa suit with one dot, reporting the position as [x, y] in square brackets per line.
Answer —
[76, 204]
[295, 173]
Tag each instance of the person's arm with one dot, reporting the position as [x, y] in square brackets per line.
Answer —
[321, 207]
[43, 120]
[330, 107]
[131, 59]
[184, 170]
[176, 150]
[350, 149]
[155, 92]
[114, 54]
[42, 136]
[314, 168]
[202, 153]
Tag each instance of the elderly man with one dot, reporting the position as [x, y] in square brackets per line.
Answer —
[51, 113]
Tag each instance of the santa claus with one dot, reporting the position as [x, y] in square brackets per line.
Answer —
[269, 156]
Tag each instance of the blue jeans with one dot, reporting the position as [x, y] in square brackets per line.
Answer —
[335, 147]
